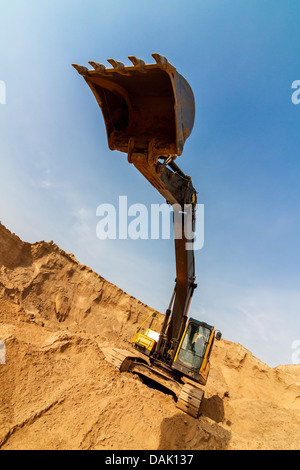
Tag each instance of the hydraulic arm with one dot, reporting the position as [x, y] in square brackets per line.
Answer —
[183, 192]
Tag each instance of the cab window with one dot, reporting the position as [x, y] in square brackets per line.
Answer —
[194, 345]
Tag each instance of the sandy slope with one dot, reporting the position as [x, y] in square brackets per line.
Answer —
[58, 392]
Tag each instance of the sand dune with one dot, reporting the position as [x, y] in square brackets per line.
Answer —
[58, 392]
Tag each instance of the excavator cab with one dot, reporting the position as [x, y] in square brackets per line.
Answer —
[192, 357]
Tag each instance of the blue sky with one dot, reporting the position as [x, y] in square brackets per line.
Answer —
[240, 59]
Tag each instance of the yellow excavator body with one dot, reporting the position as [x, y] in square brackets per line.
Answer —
[149, 112]
[145, 338]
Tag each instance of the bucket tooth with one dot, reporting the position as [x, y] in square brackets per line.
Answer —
[81, 69]
[119, 66]
[138, 63]
[160, 60]
[163, 62]
[97, 66]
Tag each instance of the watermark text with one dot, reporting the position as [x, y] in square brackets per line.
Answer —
[2, 353]
[296, 94]
[135, 222]
[296, 353]
[2, 92]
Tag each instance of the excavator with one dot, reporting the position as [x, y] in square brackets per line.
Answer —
[149, 112]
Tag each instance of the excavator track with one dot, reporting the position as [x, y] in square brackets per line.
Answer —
[121, 358]
[189, 400]
[128, 361]
[115, 356]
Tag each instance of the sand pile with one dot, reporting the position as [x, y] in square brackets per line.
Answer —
[58, 392]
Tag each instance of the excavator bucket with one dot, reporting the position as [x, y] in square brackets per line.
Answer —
[148, 109]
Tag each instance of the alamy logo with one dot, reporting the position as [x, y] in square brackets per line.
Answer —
[2, 92]
[296, 94]
[296, 353]
[2, 353]
[135, 222]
